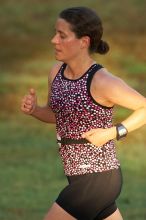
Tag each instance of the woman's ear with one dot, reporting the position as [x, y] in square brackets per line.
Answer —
[85, 43]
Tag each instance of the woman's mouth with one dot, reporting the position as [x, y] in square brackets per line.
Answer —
[57, 50]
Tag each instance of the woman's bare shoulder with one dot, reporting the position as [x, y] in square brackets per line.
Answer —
[54, 70]
[117, 91]
[105, 75]
[103, 78]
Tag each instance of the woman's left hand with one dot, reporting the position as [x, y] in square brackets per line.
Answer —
[99, 136]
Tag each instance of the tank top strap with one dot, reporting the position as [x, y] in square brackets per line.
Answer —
[92, 73]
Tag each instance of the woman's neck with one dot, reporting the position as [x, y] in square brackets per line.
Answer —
[76, 69]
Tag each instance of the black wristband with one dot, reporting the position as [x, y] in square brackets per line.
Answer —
[121, 131]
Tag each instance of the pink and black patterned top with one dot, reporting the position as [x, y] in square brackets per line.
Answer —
[77, 112]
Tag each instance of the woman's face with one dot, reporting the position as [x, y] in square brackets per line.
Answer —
[67, 45]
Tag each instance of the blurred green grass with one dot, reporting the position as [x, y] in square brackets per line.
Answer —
[31, 173]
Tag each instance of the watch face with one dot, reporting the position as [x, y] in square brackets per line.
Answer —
[122, 131]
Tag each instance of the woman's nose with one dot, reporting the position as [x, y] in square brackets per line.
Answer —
[55, 40]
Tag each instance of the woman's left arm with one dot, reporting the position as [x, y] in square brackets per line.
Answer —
[125, 96]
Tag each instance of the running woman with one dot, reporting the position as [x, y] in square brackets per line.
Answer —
[81, 97]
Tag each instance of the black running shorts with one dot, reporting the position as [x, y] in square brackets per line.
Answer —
[91, 196]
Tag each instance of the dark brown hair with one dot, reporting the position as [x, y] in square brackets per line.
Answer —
[85, 22]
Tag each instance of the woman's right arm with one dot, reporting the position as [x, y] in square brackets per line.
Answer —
[29, 102]
[42, 113]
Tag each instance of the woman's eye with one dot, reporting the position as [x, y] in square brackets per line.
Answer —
[62, 36]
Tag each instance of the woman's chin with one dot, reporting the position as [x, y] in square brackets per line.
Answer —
[59, 58]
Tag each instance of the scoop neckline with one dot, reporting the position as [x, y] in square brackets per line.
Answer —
[64, 77]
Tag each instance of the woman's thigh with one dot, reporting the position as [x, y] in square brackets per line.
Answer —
[115, 216]
[58, 213]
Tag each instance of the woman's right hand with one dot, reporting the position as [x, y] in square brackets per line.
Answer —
[29, 102]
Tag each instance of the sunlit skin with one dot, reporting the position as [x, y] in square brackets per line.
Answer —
[67, 46]
[75, 53]
[65, 42]
[71, 50]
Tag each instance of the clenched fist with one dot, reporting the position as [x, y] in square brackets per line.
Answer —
[29, 102]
